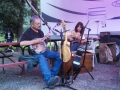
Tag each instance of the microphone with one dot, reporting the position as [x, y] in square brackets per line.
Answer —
[54, 33]
[66, 30]
[45, 23]
[88, 28]
[57, 30]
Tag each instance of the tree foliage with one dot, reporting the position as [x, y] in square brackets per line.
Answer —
[14, 14]
[10, 12]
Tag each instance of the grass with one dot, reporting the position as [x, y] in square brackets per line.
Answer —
[2, 39]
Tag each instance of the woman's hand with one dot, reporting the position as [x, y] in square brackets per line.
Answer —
[77, 35]
[84, 41]
[70, 39]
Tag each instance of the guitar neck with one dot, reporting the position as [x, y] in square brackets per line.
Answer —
[64, 28]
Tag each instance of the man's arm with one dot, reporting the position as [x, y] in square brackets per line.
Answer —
[36, 41]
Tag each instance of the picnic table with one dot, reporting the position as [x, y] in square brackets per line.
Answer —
[4, 55]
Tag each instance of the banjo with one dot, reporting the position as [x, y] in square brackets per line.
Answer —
[41, 47]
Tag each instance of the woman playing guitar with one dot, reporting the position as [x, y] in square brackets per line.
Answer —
[75, 36]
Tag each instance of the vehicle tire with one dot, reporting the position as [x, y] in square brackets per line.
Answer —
[117, 47]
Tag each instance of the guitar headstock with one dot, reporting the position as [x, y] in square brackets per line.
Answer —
[58, 23]
[64, 25]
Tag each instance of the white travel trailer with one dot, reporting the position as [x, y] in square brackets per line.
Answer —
[103, 15]
[98, 15]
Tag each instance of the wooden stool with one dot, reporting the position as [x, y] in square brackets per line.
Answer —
[88, 63]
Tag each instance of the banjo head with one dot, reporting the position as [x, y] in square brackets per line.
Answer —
[38, 48]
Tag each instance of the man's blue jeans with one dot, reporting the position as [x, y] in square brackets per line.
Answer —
[44, 67]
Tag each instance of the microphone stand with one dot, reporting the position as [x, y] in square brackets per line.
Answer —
[80, 53]
[83, 65]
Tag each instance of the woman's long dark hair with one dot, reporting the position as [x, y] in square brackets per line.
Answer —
[81, 25]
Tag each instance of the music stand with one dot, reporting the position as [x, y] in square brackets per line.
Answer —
[83, 65]
[63, 77]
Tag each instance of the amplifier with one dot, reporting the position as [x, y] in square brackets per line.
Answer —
[104, 37]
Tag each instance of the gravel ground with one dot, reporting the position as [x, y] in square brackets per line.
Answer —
[106, 77]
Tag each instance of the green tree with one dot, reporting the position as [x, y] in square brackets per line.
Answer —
[12, 15]
[15, 14]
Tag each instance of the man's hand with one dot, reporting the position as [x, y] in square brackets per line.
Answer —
[39, 40]
[48, 36]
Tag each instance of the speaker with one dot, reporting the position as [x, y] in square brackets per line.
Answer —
[104, 37]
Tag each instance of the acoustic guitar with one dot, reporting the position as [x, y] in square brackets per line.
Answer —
[72, 36]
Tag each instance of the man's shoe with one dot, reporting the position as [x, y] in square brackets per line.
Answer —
[53, 81]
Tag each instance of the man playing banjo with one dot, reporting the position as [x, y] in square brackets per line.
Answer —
[34, 37]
